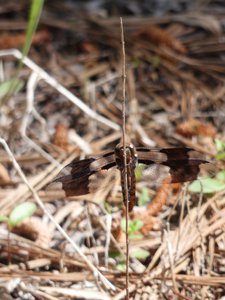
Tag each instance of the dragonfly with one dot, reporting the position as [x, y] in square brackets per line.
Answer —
[172, 165]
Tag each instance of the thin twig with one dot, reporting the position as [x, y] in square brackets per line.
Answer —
[126, 195]
[170, 255]
[90, 238]
[108, 238]
[40, 203]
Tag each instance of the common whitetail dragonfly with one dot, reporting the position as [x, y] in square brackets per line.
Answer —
[172, 165]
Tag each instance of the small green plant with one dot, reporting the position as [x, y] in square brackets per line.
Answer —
[14, 85]
[138, 253]
[11, 86]
[119, 258]
[220, 147]
[133, 227]
[136, 62]
[139, 171]
[208, 185]
[143, 198]
[19, 214]
[121, 266]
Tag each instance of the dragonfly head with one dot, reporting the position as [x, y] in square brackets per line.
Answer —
[131, 155]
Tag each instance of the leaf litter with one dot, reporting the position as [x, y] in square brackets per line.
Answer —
[175, 75]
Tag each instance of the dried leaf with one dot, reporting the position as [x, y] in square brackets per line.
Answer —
[60, 138]
[160, 199]
[9, 40]
[4, 176]
[195, 127]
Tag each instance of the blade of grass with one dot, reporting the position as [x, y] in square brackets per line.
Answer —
[35, 13]
[34, 16]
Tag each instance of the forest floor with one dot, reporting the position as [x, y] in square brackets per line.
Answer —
[68, 106]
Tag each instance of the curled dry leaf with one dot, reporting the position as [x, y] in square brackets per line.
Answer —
[4, 176]
[34, 229]
[60, 138]
[159, 36]
[160, 199]
[195, 127]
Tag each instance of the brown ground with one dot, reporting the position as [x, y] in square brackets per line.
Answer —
[175, 67]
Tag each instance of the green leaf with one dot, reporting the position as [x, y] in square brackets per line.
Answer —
[144, 197]
[114, 254]
[123, 224]
[135, 236]
[220, 156]
[139, 171]
[206, 185]
[121, 267]
[221, 176]
[133, 225]
[21, 212]
[139, 253]
[4, 219]
[136, 225]
[220, 145]
[10, 87]
[34, 17]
